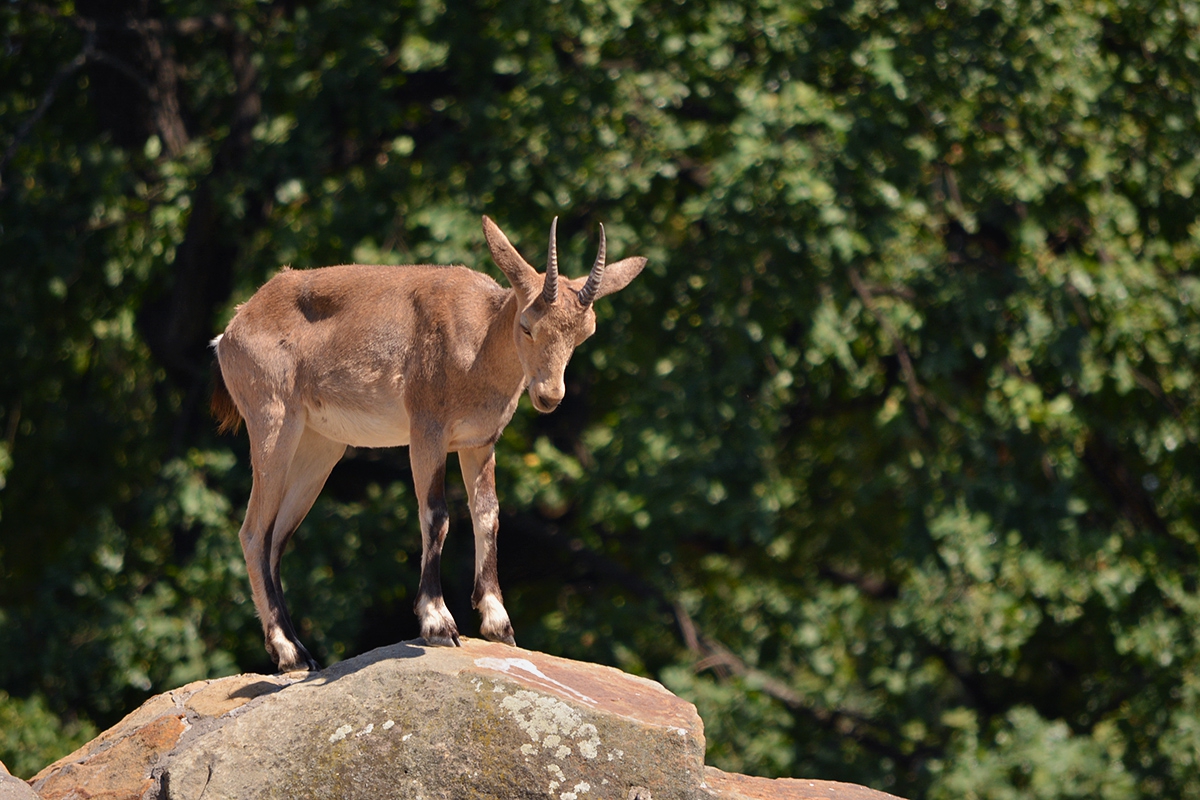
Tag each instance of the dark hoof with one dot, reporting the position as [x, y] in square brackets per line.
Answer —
[300, 669]
[442, 636]
[303, 665]
[504, 636]
[303, 662]
[442, 641]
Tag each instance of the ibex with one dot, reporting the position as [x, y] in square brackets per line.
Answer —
[432, 357]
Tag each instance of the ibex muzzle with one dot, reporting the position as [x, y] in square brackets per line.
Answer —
[431, 357]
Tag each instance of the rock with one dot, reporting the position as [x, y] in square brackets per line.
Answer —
[484, 720]
[120, 762]
[728, 786]
[14, 788]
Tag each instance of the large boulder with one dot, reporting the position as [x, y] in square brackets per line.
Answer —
[481, 721]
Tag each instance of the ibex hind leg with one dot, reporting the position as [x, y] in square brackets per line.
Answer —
[282, 642]
[312, 462]
[274, 437]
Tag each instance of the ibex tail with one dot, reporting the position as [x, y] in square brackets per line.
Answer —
[222, 406]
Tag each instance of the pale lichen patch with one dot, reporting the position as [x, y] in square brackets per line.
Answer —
[559, 778]
[340, 733]
[549, 720]
[557, 727]
[583, 787]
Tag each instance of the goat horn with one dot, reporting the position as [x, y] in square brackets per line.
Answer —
[550, 288]
[588, 293]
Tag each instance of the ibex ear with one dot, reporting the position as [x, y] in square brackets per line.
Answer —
[523, 277]
[617, 276]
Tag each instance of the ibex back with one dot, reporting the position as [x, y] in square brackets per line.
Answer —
[431, 357]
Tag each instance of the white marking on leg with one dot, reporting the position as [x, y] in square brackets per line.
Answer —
[434, 618]
[495, 617]
[288, 655]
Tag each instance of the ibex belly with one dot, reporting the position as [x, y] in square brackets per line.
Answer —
[380, 426]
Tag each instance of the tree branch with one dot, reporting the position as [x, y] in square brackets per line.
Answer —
[64, 72]
[1120, 484]
[906, 365]
[711, 654]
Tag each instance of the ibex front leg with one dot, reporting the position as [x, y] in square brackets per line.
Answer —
[479, 474]
[427, 455]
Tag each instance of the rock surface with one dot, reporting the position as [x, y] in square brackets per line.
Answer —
[14, 788]
[481, 721]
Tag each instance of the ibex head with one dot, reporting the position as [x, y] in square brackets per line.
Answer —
[554, 313]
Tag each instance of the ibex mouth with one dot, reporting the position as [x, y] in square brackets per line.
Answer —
[544, 404]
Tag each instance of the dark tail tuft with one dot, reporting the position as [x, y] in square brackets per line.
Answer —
[222, 405]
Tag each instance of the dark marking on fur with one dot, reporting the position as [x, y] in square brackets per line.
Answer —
[435, 537]
[284, 616]
[487, 583]
[274, 598]
[280, 617]
[316, 307]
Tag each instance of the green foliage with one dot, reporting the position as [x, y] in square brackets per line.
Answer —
[1030, 757]
[32, 736]
[888, 461]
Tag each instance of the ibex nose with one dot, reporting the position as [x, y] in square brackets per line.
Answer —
[545, 401]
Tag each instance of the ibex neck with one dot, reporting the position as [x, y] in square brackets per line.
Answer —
[499, 351]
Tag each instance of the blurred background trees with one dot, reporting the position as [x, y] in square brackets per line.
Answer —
[888, 462]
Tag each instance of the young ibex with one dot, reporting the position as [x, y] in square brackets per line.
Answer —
[431, 357]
